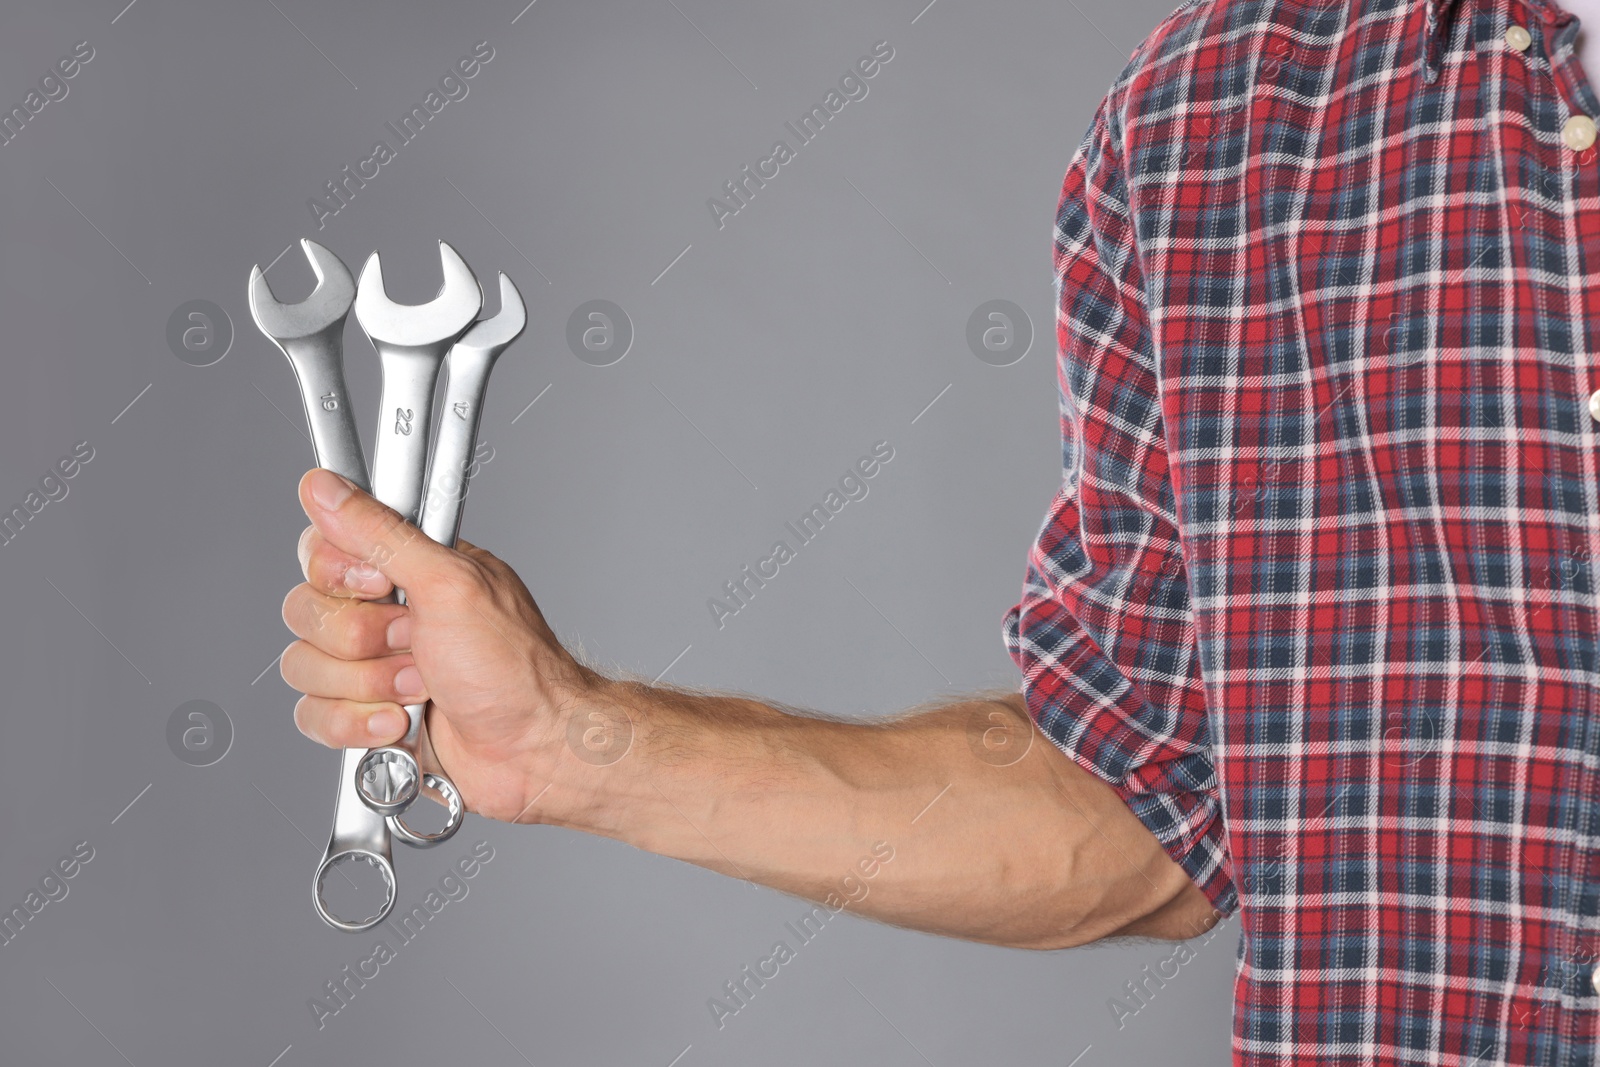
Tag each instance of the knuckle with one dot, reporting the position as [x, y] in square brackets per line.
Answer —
[327, 624]
[362, 633]
[344, 723]
[325, 721]
[326, 568]
[343, 679]
[471, 573]
[332, 635]
[313, 616]
[375, 680]
[346, 640]
[457, 575]
[477, 555]
[495, 571]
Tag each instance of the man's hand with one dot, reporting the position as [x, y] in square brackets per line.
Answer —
[1027, 850]
[470, 638]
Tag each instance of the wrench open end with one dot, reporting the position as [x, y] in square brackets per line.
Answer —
[328, 303]
[495, 334]
[409, 326]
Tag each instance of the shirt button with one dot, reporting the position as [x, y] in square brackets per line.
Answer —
[1594, 413]
[1578, 133]
[1518, 38]
[1594, 979]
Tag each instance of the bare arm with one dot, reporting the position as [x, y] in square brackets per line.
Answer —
[906, 821]
[1035, 854]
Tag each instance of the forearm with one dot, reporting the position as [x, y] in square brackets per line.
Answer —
[910, 821]
[921, 821]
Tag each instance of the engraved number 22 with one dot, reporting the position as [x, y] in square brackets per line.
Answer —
[402, 421]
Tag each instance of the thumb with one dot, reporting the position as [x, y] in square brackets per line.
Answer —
[356, 523]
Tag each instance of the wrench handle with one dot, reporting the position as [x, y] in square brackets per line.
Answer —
[358, 833]
[405, 420]
[318, 367]
[448, 473]
[455, 439]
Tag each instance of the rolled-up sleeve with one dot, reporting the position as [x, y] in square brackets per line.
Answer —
[1104, 632]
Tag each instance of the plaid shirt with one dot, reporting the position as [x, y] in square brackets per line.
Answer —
[1318, 594]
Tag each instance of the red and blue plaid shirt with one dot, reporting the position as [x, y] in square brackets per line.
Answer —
[1318, 594]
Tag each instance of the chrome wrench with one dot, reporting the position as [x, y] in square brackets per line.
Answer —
[469, 363]
[311, 335]
[412, 342]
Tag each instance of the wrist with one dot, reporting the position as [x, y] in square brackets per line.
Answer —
[590, 770]
[671, 772]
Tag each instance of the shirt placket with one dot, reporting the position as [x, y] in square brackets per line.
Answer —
[1537, 27]
[1578, 158]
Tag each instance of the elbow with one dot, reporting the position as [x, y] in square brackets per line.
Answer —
[1154, 900]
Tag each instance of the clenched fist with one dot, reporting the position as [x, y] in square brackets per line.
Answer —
[470, 640]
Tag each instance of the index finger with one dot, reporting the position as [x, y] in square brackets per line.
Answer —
[331, 570]
[361, 527]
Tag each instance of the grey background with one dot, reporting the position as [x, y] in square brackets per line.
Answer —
[773, 353]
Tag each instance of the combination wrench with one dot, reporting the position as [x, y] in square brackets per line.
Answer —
[311, 335]
[468, 367]
[412, 342]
